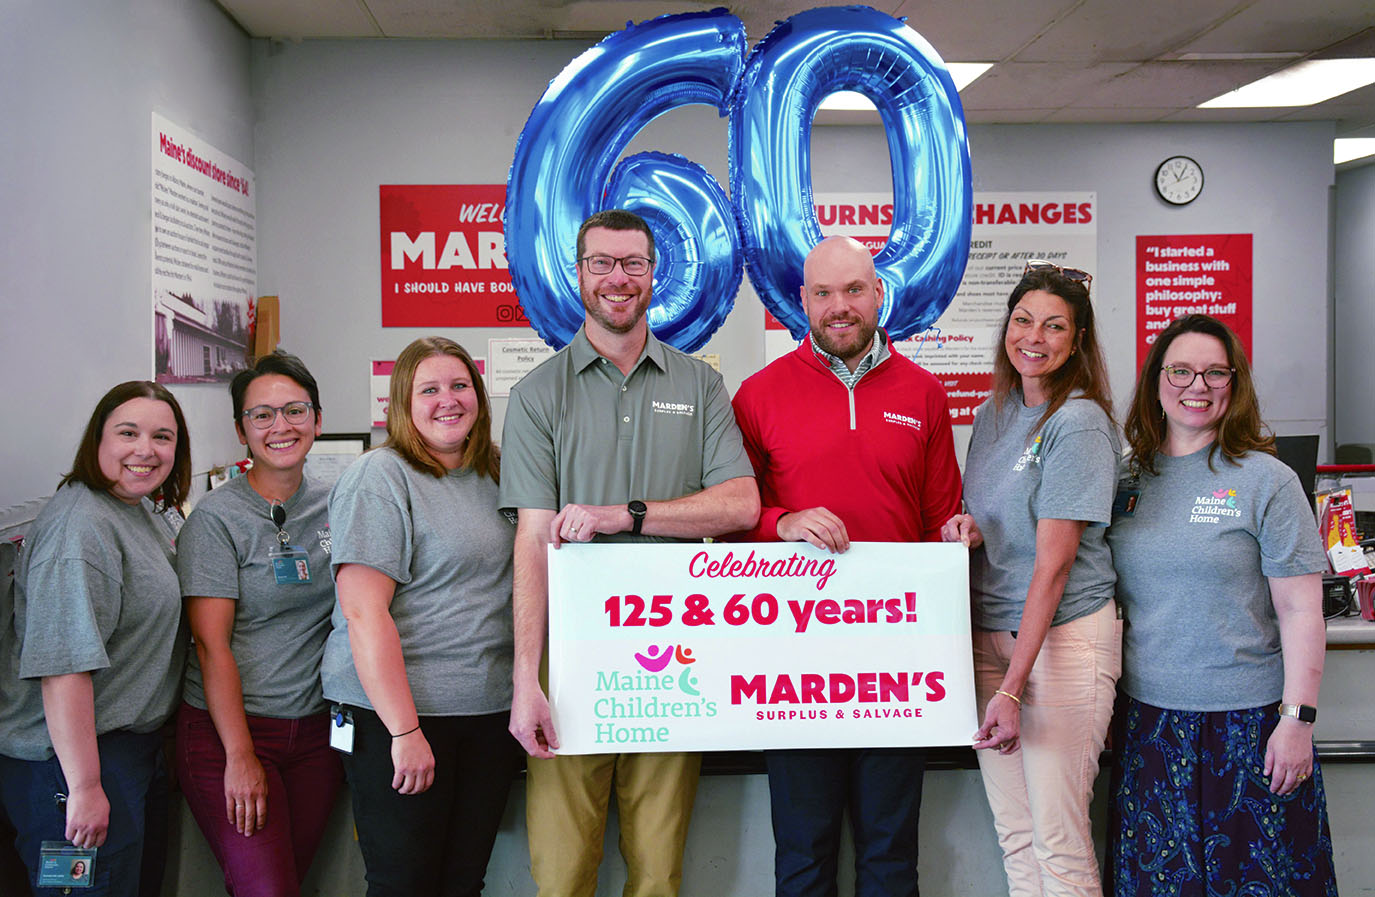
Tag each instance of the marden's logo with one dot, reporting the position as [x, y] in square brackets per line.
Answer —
[683, 408]
[902, 420]
[656, 660]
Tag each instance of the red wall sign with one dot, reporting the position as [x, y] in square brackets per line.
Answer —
[444, 257]
[1182, 274]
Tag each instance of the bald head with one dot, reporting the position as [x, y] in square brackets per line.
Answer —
[842, 295]
[834, 252]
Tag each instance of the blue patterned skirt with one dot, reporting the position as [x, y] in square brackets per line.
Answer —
[1193, 812]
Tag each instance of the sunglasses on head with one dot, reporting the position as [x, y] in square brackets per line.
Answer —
[1074, 274]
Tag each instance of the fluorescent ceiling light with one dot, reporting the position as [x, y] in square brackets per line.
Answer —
[962, 73]
[1301, 84]
[1345, 149]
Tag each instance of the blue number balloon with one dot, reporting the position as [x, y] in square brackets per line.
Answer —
[798, 64]
[562, 172]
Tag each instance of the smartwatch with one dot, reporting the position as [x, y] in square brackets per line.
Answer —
[1301, 712]
[637, 511]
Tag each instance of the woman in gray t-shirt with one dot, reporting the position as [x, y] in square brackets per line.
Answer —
[421, 649]
[94, 665]
[1038, 487]
[253, 754]
[1219, 561]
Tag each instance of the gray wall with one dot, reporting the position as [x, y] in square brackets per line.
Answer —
[1354, 312]
[81, 81]
[324, 123]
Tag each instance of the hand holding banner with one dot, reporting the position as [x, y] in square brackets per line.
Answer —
[672, 647]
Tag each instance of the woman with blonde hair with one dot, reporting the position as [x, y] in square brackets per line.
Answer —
[419, 659]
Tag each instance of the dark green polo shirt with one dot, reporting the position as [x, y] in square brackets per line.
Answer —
[578, 432]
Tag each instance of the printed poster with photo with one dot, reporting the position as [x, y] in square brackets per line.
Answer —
[205, 258]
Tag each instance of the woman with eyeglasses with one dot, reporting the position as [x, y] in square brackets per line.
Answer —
[253, 754]
[93, 663]
[1216, 783]
[1038, 489]
[420, 656]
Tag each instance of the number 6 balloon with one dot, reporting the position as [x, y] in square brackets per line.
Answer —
[562, 172]
[565, 156]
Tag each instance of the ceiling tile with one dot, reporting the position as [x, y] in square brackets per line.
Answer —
[302, 18]
[1174, 84]
[1038, 85]
[1090, 114]
[1279, 26]
[981, 30]
[1126, 31]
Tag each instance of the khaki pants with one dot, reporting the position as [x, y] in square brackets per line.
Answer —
[1040, 794]
[565, 814]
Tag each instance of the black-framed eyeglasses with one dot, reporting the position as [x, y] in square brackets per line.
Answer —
[262, 416]
[1075, 274]
[632, 265]
[1183, 378]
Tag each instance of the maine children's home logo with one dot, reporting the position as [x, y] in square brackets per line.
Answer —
[1215, 506]
[637, 703]
[1031, 456]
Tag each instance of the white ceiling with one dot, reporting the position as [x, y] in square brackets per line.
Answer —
[1056, 60]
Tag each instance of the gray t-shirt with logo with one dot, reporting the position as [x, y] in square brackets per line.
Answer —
[1012, 480]
[279, 628]
[1200, 631]
[448, 548]
[95, 592]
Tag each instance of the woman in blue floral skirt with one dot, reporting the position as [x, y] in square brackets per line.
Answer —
[1216, 785]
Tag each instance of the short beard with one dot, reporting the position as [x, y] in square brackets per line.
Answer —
[592, 306]
[823, 339]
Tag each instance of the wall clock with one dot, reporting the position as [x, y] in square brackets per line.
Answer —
[1179, 180]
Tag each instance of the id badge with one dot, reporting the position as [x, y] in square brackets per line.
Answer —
[341, 729]
[1128, 494]
[61, 864]
[290, 565]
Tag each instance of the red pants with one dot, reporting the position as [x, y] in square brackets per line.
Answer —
[303, 777]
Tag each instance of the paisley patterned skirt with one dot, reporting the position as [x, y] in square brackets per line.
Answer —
[1193, 812]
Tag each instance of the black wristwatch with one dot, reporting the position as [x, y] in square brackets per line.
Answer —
[1304, 713]
[637, 511]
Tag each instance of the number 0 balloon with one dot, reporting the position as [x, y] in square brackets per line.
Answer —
[565, 168]
[796, 66]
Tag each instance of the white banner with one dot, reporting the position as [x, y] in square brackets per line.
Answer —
[673, 647]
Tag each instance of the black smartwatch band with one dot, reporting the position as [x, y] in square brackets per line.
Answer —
[637, 511]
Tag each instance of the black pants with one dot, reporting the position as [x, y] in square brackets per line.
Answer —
[437, 842]
[810, 790]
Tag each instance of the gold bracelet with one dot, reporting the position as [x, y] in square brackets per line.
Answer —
[1009, 695]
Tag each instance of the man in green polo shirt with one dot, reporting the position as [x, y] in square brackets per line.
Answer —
[616, 438]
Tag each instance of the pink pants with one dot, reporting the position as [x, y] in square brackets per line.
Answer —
[303, 775]
[1040, 794]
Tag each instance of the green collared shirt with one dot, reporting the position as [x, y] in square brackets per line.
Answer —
[577, 431]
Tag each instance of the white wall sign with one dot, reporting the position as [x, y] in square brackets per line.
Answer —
[671, 647]
[205, 258]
